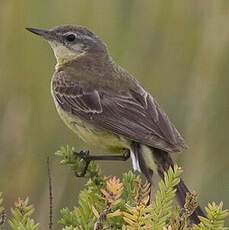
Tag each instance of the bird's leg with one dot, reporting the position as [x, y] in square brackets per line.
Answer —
[85, 155]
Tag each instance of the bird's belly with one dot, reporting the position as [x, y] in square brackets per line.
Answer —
[97, 139]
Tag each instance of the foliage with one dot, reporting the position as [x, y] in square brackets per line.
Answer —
[162, 205]
[215, 218]
[121, 203]
[126, 203]
[72, 159]
[21, 216]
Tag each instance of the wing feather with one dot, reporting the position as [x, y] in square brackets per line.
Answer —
[133, 114]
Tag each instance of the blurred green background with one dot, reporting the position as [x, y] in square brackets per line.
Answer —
[178, 50]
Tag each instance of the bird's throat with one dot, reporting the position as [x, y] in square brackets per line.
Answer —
[63, 54]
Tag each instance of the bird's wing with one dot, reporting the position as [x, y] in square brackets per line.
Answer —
[134, 115]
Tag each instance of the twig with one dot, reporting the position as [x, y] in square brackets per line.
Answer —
[101, 220]
[50, 196]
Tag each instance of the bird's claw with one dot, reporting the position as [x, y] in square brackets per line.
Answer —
[126, 155]
[85, 156]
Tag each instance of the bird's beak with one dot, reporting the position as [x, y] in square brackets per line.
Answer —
[46, 34]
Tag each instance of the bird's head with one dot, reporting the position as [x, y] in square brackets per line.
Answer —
[71, 42]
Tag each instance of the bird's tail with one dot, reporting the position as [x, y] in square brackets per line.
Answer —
[163, 161]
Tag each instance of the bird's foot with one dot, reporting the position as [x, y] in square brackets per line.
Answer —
[85, 156]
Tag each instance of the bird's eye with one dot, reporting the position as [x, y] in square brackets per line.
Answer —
[70, 37]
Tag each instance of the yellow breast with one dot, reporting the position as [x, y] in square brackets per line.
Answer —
[97, 139]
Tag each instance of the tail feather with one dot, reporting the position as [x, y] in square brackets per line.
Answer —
[163, 162]
[182, 190]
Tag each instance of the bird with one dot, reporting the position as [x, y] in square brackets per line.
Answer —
[108, 108]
